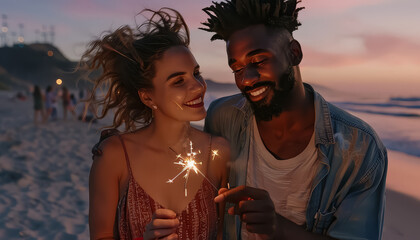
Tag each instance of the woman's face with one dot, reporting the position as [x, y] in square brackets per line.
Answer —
[179, 87]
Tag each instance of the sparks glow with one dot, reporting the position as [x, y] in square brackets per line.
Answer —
[214, 154]
[188, 163]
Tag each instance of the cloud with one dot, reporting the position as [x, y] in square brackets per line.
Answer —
[105, 10]
[381, 48]
[334, 5]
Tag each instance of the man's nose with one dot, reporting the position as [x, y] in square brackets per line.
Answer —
[250, 76]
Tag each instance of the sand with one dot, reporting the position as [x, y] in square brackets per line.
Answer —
[44, 178]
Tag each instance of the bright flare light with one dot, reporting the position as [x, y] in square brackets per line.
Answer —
[4, 29]
[214, 153]
[188, 164]
[59, 81]
[21, 39]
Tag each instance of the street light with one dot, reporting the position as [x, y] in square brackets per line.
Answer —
[59, 81]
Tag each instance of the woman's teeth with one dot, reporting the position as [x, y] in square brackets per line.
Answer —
[196, 101]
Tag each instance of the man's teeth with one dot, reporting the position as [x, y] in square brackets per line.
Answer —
[258, 92]
[196, 101]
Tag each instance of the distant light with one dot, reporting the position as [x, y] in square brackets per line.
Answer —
[4, 29]
[59, 81]
[21, 39]
[50, 53]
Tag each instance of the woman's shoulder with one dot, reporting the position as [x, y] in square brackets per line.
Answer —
[109, 145]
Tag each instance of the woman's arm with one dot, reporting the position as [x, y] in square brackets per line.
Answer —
[218, 169]
[104, 178]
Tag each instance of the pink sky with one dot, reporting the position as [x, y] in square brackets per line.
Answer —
[353, 42]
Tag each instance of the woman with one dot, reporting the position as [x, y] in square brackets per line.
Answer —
[38, 104]
[155, 83]
[67, 103]
[50, 99]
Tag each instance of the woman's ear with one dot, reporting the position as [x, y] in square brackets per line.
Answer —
[296, 52]
[145, 97]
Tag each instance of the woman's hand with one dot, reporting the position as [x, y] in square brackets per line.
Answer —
[163, 225]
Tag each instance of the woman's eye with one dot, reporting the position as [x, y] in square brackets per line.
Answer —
[197, 74]
[179, 81]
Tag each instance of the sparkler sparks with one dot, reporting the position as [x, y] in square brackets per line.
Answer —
[189, 163]
[214, 154]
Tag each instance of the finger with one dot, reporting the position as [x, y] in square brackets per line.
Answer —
[257, 218]
[163, 223]
[241, 193]
[173, 236]
[231, 211]
[222, 190]
[260, 228]
[164, 213]
[235, 210]
[255, 206]
[159, 233]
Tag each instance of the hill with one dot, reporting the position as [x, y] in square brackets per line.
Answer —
[42, 64]
[23, 66]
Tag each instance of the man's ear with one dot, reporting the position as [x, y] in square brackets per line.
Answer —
[296, 52]
[145, 97]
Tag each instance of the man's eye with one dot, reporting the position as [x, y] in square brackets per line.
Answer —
[238, 70]
[259, 61]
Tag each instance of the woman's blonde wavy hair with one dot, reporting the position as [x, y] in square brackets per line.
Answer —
[126, 61]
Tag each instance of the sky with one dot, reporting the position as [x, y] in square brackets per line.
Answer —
[369, 47]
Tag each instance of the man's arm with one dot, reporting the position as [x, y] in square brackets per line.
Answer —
[286, 229]
[361, 213]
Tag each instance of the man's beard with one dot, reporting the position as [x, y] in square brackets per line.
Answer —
[265, 109]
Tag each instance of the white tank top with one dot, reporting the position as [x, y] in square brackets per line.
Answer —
[287, 181]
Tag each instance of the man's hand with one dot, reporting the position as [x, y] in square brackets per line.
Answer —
[163, 225]
[255, 208]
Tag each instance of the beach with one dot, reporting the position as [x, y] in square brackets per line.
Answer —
[44, 170]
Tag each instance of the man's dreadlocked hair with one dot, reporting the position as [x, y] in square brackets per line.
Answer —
[233, 15]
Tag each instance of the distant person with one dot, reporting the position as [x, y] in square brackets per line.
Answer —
[305, 169]
[50, 99]
[156, 89]
[38, 105]
[73, 102]
[89, 109]
[67, 103]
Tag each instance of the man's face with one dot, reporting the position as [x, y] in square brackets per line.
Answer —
[262, 67]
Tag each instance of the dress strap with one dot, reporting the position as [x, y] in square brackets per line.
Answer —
[126, 155]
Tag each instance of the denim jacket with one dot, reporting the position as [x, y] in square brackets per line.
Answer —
[347, 199]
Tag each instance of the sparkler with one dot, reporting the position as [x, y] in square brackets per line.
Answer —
[189, 163]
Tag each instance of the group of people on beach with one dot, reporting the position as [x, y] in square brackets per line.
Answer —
[277, 161]
[46, 105]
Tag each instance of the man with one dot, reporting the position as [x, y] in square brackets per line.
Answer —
[308, 169]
